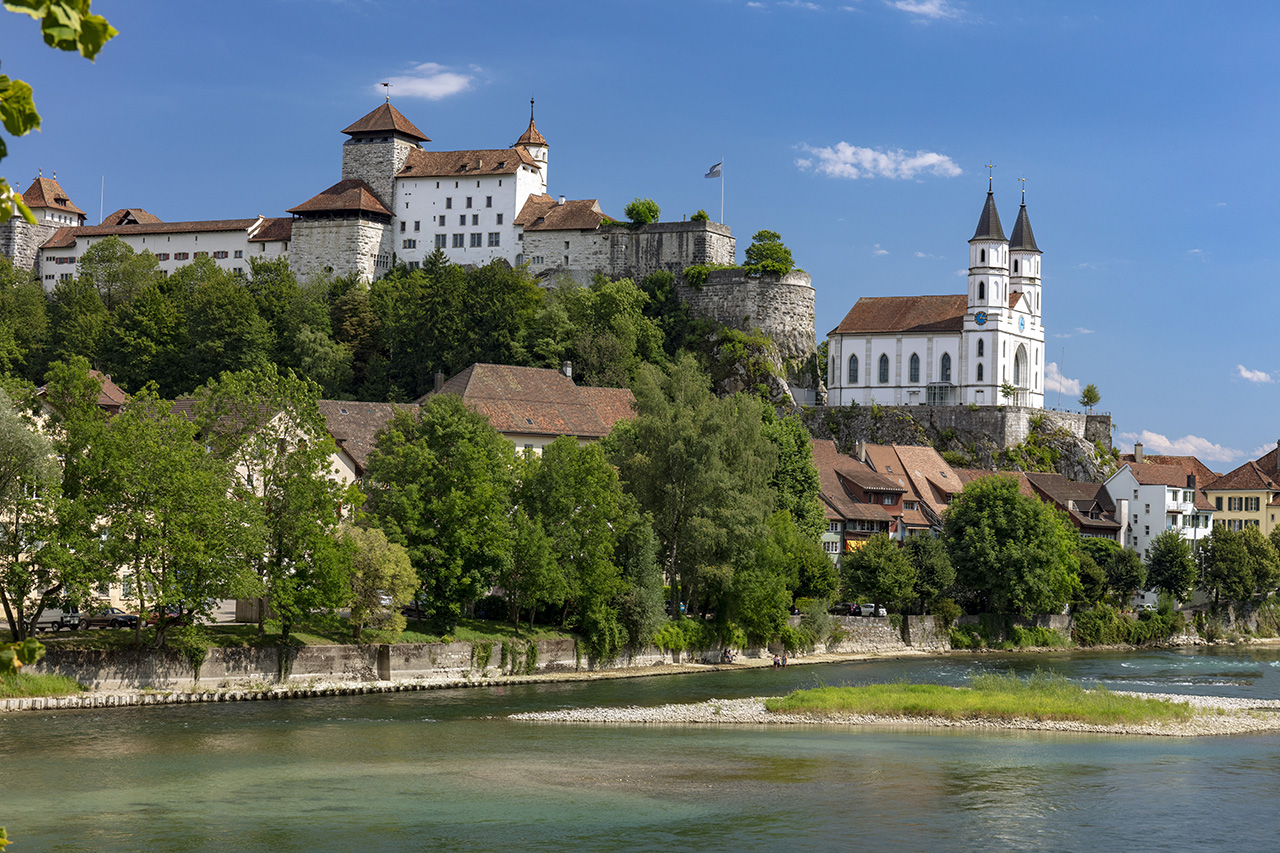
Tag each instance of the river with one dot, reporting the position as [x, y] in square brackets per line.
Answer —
[445, 770]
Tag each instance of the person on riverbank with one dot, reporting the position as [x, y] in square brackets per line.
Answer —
[777, 662]
[784, 659]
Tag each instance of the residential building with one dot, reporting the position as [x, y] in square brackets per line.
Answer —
[950, 349]
[858, 502]
[1249, 496]
[930, 483]
[1088, 506]
[1151, 497]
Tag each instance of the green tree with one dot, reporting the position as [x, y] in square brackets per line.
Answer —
[1090, 397]
[641, 606]
[147, 342]
[78, 319]
[1093, 581]
[381, 581]
[445, 481]
[795, 479]
[642, 211]
[934, 573]
[1012, 553]
[117, 272]
[768, 254]
[224, 329]
[1226, 567]
[1264, 562]
[607, 333]
[1124, 570]
[531, 578]
[881, 571]
[24, 321]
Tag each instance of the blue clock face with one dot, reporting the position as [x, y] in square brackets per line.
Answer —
[1022, 323]
[980, 318]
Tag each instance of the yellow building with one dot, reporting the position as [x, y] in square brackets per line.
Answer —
[1249, 496]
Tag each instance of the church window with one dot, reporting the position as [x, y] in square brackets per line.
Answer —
[475, 241]
[982, 290]
[981, 347]
[459, 241]
[884, 370]
[946, 367]
[448, 203]
[853, 370]
[1015, 266]
[982, 256]
[495, 238]
[915, 368]
[499, 218]
[979, 372]
[442, 241]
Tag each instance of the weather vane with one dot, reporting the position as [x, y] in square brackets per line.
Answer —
[990, 175]
[387, 85]
[1024, 188]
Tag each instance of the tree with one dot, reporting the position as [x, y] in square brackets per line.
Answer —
[934, 573]
[147, 342]
[224, 330]
[78, 319]
[117, 272]
[768, 254]
[881, 571]
[1008, 390]
[642, 211]
[1226, 570]
[24, 322]
[1090, 397]
[605, 329]
[1170, 566]
[1263, 559]
[381, 582]
[795, 481]
[531, 577]
[445, 480]
[1122, 568]
[1012, 553]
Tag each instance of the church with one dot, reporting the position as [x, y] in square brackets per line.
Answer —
[983, 348]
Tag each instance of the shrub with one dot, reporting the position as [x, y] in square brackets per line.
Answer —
[642, 211]
[700, 216]
[768, 254]
[946, 612]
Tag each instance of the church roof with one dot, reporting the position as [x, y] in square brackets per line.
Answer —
[1022, 240]
[543, 213]
[386, 119]
[488, 161]
[348, 195]
[905, 314]
[532, 137]
[48, 193]
[130, 216]
[989, 227]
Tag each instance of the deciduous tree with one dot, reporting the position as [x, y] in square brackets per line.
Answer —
[1170, 565]
[881, 571]
[381, 582]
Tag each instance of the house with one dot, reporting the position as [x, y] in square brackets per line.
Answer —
[858, 502]
[1088, 506]
[929, 481]
[1249, 496]
[1150, 497]
[532, 406]
[354, 427]
[111, 397]
[950, 349]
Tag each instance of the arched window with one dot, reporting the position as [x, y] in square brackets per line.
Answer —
[884, 370]
[915, 368]
[979, 372]
[982, 289]
[834, 378]
[946, 367]
[1015, 266]
[982, 256]
[853, 370]
[980, 348]
[1020, 367]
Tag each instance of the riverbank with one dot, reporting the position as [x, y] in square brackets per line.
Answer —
[1214, 716]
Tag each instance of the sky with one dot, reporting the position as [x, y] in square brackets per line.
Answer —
[860, 130]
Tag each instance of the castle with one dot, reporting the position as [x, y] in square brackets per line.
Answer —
[984, 348]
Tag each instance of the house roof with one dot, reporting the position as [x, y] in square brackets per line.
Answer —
[1171, 475]
[352, 195]
[48, 193]
[130, 216]
[111, 396]
[1187, 464]
[908, 469]
[279, 229]
[487, 161]
[355, 426]
[1255, 475]
[385, 119]
[1078, 499]
[539, 401]
[969, 475]
[544, 213]
[905, 314]
[837, 472]
[1022, 240]
[989, 227]
[66, 237]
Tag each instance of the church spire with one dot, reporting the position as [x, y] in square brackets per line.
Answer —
[1022, 239]
[531, 136]
[989, 227]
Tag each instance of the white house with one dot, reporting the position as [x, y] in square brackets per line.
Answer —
[1159, 497]
[950, 349]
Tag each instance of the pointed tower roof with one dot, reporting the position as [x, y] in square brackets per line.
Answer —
[1022, 239]
[989, 227]
[386, 119]
[47, 193]
[531, 136]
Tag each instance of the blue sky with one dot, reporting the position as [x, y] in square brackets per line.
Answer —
[858, 129]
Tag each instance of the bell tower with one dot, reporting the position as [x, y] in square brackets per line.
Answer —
[988, 261]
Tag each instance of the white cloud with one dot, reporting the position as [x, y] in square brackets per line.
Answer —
[1083, 331]
[1261, 450]
[879, 251]
[755, 5]
[1189, 445]
[1055, 381]
[962, 273]
[429, 80]
[934, 9]
[927, 255]
[1080, 330]
[851, 161]
[800, 4]
[1253, 375]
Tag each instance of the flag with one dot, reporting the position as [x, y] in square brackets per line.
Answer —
[714, 171]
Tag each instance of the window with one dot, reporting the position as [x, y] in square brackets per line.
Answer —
[1251, 522]
[495, 238]
[1217, 502]
[417, 225]
[914, 368]
[468, 202]
[884, 370]
[1146, 529]
[946, 367]
[475, 241]
[1251, 505]
[202, 254]
[448, 203]
[403, 226]
[220, 254]
[459, 241]
[888, 500]
[1015, 267]
[180, 256]
[853, 370]
[982, 256]
[979, 372]
[410, 244]
[1188, 496]
[488, 201]
[1148, 509]
[833, 527]
[462, 221]
[164, 256]
[981, 348]
[499, 218]
[1235, 504]
[239, 253]
[442, 241]
[475, 219]
[831, 547]
[982, 290]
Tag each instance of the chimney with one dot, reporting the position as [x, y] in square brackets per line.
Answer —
[1137, 452]
[567, 369]
[439, 381]
[561, 201]
[860, 450]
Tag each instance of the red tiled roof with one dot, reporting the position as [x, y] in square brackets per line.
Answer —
[532, 137]
[544, 213]
[837, 473]
[66, 237]
[386, 119]
[537, 401]
[130, 216]
[349, 195]
[489, 161]
[355, 426]
[905, 314]
[1171, 474]
[1253, 475]
[1077, 499]
[1190, 464]
[274, 230]
[48, 193]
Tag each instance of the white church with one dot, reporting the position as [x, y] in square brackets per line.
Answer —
[962, 349]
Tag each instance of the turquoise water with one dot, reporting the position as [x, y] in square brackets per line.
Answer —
[445, 770]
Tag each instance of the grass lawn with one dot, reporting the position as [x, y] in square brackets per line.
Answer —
[1004, 697]
[24, 686]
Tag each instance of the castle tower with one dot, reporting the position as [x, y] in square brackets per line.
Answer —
[988, 261]
[1024, 260]
[379, 144]
[536, 144]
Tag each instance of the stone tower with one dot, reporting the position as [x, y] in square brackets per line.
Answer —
[379, 144]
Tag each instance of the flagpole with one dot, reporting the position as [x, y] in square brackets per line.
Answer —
[722, 189]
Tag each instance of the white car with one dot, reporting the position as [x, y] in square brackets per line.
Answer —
[872, 610]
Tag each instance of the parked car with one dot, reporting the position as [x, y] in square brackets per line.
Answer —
[107, 617]
[174, 618]
[54, 619]
[845, 609]
[871, 610]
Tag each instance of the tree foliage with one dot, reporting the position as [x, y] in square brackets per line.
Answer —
[1090, 397]
[795, 479]
[881, 571]
[642, 211]
[934, 573]
[1170, 565]
[767, 253]
[381, 581]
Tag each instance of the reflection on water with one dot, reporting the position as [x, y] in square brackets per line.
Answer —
[444, 769]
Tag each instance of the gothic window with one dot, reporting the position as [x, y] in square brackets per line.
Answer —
[1015, 267]
[982, 290]
[915, 368]
[1020, 367]
[884, 370]
[982, 256]
[946, 367]
[980, 348]
[833, 379]
[853, 370]
[979, 372]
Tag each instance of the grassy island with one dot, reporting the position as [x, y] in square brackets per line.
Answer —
[1040, 697]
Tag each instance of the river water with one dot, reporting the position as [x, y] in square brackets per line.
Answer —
[445, 770]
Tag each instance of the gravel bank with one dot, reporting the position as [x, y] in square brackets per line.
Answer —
[1215, 716]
